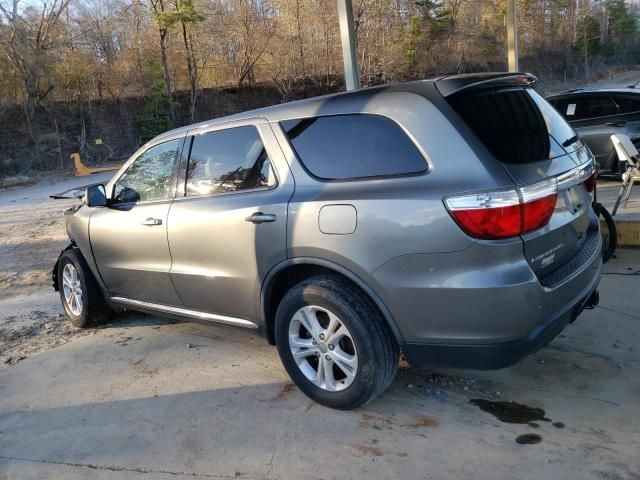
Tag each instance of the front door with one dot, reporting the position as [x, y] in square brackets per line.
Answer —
[129, 236]
[229, 228]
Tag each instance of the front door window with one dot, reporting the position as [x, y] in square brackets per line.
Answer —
[150, 176]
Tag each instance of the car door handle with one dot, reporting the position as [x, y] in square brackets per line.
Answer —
[616, 124]
[259, 217]
[152, 221]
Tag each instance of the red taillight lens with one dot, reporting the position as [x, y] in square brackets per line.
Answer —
[490, 223]
[504, 214]
[538, 203]
[536, 214]
[590, 182]
[488, 216]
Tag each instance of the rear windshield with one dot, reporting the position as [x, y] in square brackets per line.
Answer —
[342, 147]
[517, 126]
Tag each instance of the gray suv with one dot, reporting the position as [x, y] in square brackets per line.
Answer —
[449, 219]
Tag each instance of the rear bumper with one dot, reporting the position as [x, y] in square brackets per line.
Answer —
[497, 355]
[481, 308]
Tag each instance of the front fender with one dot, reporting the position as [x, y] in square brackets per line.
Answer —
[54, 273]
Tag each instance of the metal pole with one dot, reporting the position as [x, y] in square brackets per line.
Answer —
[512, 36]
[349, 51]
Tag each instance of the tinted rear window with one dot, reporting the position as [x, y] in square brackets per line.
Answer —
[517, 126]
[353, 146]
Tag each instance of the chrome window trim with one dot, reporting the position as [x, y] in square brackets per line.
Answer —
[575, 176]
[240, 322]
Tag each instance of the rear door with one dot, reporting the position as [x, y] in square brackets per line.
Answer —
[228, 225]
[536, 146]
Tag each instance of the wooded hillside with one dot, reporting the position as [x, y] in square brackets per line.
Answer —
[100, 77]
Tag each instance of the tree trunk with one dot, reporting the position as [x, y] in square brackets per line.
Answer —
[192, 68]
[299, 25]
[165, 73]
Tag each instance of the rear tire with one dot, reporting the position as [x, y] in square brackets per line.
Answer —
[325, 324]
[80, 294]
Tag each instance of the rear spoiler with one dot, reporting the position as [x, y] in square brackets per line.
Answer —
[455, 84]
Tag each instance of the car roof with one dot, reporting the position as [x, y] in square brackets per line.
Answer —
[349, 101]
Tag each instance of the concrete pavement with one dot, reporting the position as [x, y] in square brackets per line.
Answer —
[149, 398]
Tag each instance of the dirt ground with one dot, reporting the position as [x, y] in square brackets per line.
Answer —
[32, 234]
[145, 397]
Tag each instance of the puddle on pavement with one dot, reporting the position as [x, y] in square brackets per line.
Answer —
[529, 439]
[510, 412]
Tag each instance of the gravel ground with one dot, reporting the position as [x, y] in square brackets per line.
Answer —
[32, 234]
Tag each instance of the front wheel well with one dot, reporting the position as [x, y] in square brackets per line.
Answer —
[290, 276]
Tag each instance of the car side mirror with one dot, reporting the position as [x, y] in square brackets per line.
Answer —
[95, 196]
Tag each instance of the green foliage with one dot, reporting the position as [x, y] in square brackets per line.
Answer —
[185, 13]
[413, 39]
[622, 25]
[588, 37]
[156, 117]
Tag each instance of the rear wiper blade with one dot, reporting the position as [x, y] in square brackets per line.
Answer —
[570, 141]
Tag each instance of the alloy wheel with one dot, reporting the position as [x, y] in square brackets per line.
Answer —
[323, 348]
[72, 289]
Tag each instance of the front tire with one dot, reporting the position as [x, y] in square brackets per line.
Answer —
[334, 343]
[81, 296]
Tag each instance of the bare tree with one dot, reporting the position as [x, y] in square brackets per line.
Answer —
[28, 44]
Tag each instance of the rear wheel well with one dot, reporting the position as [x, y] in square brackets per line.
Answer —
[291, 276]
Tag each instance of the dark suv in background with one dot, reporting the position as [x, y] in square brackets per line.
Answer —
[596, 114]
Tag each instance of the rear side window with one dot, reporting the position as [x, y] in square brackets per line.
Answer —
[344, 147]
[227, 161]
[586, 107]
[517, 126]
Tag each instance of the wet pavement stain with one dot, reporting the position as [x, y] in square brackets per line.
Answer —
[510, 412]
[534, 425]
[558, 424]
[529, 439]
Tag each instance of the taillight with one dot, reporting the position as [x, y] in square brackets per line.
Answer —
[590, 183]
[538, 203]
[506, 213]
[487, 215]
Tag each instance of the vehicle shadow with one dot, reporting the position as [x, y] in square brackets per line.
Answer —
[225, 407]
